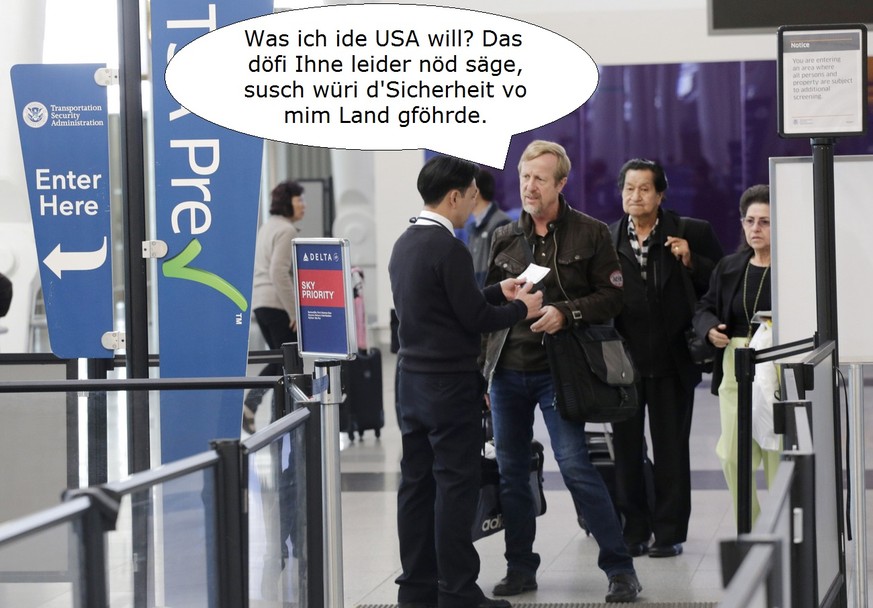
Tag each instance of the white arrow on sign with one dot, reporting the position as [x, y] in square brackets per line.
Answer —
[58, 261]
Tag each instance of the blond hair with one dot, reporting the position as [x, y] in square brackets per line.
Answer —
[539, 147]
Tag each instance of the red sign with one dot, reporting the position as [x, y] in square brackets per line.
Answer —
[321, 288]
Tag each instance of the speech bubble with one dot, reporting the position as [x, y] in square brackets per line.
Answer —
[362, 77]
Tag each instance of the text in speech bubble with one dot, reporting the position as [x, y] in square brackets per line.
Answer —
[362, 77]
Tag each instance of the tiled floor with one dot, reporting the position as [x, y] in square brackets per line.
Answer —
[568, 572]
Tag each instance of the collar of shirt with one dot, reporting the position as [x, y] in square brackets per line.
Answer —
[439, 219]
[477, 219]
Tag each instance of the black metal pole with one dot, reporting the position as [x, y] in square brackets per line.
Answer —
[132, 154]
[72, 406]
[97, 440]
[744, 368]
[825, 237]
[228, 579]
[291, 360]
[315, 580]
[826, 302]
[804, 573]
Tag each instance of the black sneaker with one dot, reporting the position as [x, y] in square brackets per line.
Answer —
[623, 588]
[515, 582]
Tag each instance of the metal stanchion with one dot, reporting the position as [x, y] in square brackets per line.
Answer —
[859, 499]
[745, 372]
[327, 386]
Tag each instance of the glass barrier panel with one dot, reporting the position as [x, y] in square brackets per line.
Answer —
[165, 538]
[277, 522]
[42, 570]
[39, 434]
[827, 513]
[748, 587]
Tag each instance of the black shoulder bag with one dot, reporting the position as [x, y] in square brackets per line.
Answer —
[591, 368]
[702, 353]
[593, 374]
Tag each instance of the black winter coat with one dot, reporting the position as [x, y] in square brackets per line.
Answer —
[656, 313]
[714, 307]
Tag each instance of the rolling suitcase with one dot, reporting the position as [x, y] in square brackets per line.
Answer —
[602, 456]
[364, 393]
[363, 375]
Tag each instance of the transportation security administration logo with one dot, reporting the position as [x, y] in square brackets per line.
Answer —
[35, 114]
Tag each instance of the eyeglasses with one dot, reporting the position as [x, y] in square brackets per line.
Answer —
[749, 222]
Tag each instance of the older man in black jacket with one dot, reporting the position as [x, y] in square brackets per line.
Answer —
[666, 262]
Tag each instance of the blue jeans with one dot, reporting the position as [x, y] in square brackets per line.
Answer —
[514, 397]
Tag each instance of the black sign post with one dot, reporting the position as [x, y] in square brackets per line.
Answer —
[822, 95]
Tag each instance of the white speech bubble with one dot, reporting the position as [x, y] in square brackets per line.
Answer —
[363, 77]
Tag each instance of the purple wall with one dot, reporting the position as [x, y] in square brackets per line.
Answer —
[711, 125]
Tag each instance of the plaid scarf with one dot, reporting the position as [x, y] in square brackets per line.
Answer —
[640, 251]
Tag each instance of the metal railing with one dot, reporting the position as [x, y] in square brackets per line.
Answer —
[196, 514]
[776, 563]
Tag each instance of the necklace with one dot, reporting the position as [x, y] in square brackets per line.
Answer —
[757, 296]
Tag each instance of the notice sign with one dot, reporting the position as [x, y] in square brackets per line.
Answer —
[325, 317]
[822, 81]
[64, 131]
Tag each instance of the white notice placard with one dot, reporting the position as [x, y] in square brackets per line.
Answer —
[822, 81]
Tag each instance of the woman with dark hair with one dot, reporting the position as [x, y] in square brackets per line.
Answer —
[273, 295]
[739, 288]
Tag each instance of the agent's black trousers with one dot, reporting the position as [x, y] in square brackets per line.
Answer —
[441, 423]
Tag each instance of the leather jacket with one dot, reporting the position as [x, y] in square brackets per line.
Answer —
[586, 280]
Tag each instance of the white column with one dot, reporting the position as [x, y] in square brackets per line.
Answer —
[397, 200]
[375, 196]
[21, 41]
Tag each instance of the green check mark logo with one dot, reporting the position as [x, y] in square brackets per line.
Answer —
[177, 268]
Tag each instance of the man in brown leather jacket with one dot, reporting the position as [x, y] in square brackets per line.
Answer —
[584, 285]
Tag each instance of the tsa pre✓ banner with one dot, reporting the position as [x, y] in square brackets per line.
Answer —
[207, 183]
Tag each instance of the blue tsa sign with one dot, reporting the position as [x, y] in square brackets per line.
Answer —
[325, 313]
[63, 128]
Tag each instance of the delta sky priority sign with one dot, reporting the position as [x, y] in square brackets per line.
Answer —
[325, 302]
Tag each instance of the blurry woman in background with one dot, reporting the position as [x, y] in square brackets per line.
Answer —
[273, 294]
[738, 288]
